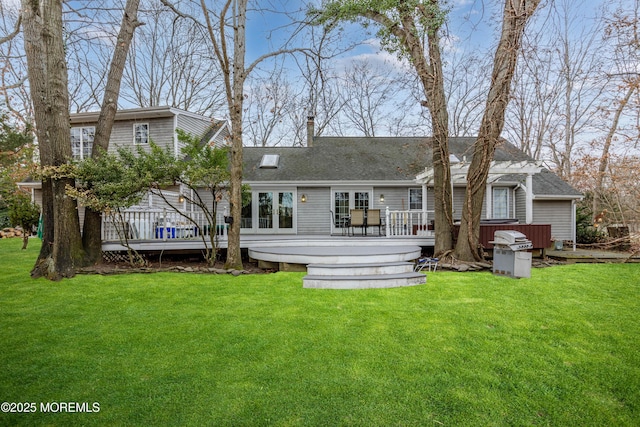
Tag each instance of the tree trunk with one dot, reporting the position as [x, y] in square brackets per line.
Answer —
[236, 99]
[443, 197]
[516, 15]
[92, 227]
[48, 79]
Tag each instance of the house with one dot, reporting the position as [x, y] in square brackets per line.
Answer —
[135, 128]
[308, 193]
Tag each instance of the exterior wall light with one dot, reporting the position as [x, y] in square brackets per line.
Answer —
[303, 199]
[181, 199]
[382, 198]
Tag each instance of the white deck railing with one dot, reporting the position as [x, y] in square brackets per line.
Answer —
[166, 224]
[159, 224]
[409, 223]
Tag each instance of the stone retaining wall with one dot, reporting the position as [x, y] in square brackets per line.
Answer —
[8, 233]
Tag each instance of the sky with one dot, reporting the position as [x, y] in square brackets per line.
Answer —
[472, 27]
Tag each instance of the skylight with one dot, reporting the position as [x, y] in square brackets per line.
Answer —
[269, 161]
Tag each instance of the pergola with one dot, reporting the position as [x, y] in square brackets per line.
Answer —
[497, 170]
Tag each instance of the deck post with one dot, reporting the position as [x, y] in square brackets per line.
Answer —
[387, 222]
[529, 199]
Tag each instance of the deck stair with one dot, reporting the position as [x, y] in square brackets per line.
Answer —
[356, 266]
[362, 275]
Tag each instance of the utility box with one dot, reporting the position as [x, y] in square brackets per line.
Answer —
[510, 256]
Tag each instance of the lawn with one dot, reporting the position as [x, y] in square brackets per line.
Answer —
[466, 349]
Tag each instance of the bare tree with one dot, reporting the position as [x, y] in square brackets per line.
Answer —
[622, 31]
[532, 119]
[558, 85]
[466, 87]
[170, 64]
[13, 74]
[226, 27]
[268, 103]
[92, 227]
[319, 95]
[367, 93]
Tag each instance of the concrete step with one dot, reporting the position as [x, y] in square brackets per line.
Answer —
[364, 281]
[359, 269]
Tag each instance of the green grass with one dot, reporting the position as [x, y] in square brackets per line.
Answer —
[561, 348]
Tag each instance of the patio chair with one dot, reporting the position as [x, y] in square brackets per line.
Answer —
[426, 262]
[357, 219]
[340, 222]
[374, 220]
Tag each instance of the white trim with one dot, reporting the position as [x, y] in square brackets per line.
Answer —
[558, 197]
[529, 199]
[176, 144]
[226, 126]
[342, 183]
[138, 114]
[489, 201]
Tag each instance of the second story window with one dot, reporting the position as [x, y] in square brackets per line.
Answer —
[141, 133]
[82, 141]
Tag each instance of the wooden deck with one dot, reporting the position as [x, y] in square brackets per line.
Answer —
[591, 256]
[258, 241]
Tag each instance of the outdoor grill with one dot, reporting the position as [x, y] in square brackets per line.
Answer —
[510, 256]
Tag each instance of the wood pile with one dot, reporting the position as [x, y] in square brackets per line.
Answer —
[623, 242]
[10, 232]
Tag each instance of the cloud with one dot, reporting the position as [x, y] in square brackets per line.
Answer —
[371, 51]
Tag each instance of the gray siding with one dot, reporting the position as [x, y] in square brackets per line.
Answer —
[314, 216]
[458, 203]
[193, 125]
[521, 205]
[161, 133]
[395, 198]
[556, 213]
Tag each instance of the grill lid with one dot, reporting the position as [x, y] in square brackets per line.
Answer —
[509, 237]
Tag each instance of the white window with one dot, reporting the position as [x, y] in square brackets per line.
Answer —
[82, 141]
[500, 202]
[141, 133]
[415, 199]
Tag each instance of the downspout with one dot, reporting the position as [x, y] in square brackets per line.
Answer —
[175, 136]
[489, 201]
[573, 223]
[425, 219]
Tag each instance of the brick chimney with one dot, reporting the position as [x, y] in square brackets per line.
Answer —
[310, 131]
